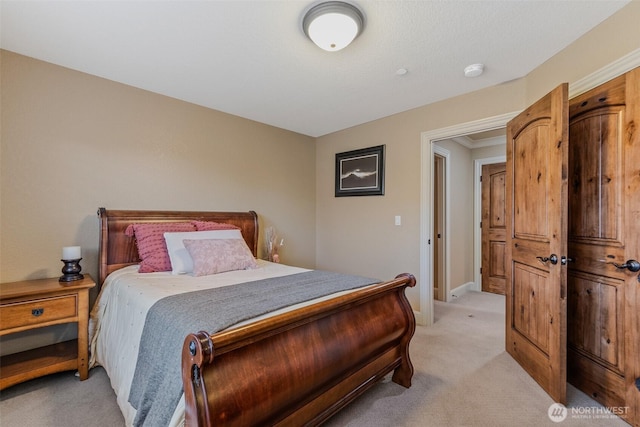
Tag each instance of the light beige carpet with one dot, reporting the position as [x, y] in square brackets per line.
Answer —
[463, 377]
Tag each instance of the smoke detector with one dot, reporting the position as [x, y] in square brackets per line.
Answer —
[473, 70]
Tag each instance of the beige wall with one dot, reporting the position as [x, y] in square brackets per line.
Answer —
[73, 142]
[489, 152]
[606, 43]
[357, 234]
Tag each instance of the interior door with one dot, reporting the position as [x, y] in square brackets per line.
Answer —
[536, 240]
[604, 239]
[494, 226]
[439, 213]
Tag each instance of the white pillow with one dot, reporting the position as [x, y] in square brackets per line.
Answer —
[181, 262]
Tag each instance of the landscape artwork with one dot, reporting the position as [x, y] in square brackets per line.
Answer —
[360, 172]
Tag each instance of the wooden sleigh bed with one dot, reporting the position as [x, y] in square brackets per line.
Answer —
[295, 368]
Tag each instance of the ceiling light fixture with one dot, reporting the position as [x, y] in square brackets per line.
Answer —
[333, 25]
[473, 70]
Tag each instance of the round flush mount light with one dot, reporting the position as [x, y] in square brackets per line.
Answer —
[333, 25]
[473, 70]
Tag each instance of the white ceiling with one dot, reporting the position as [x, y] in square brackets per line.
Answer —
[252, 59]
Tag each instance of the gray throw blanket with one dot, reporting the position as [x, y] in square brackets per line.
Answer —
[157, 382]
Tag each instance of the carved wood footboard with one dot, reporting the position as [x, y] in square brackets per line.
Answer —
[300, 367]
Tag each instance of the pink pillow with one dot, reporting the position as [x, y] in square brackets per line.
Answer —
[213, 256]
[152, 248]
[210, 225]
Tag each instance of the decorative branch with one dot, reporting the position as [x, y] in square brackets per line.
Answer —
[272, 244]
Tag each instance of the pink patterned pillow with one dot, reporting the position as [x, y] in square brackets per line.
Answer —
[152, 248]
[213, 256]
[210, 225]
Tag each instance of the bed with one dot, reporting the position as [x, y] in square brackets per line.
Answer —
[298, 365]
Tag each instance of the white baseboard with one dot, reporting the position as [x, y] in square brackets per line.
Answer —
[461, 290]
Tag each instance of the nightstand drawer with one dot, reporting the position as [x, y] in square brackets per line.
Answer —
[38, 311]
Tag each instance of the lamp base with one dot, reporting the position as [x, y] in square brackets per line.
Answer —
[71, 277]
[71, 270]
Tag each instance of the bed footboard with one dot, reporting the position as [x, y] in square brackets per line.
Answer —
[301, 367]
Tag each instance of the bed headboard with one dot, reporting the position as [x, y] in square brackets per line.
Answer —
[118, 250]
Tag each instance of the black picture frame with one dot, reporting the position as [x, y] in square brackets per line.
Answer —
[360, 172]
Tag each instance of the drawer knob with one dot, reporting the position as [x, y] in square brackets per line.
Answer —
[37, 311]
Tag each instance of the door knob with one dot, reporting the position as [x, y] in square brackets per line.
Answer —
[564, 260]
[553, 258]
[631, 265]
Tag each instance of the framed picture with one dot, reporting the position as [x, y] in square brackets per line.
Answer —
[360, 172]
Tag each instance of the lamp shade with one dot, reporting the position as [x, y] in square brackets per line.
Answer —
[333, 25]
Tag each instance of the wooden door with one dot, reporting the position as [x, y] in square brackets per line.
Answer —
[439, 216]
[536, 190]
[604, 231]
[494, 226]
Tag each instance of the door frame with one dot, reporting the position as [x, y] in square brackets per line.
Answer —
[427, 138]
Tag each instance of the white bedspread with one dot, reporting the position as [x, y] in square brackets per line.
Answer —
[118, 317]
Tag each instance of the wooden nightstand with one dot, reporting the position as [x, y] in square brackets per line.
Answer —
[34, 304]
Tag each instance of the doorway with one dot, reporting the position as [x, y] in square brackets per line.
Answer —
[456, 206]
[428, 138]
[440, 288]
[429, 151]
[479, 165]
